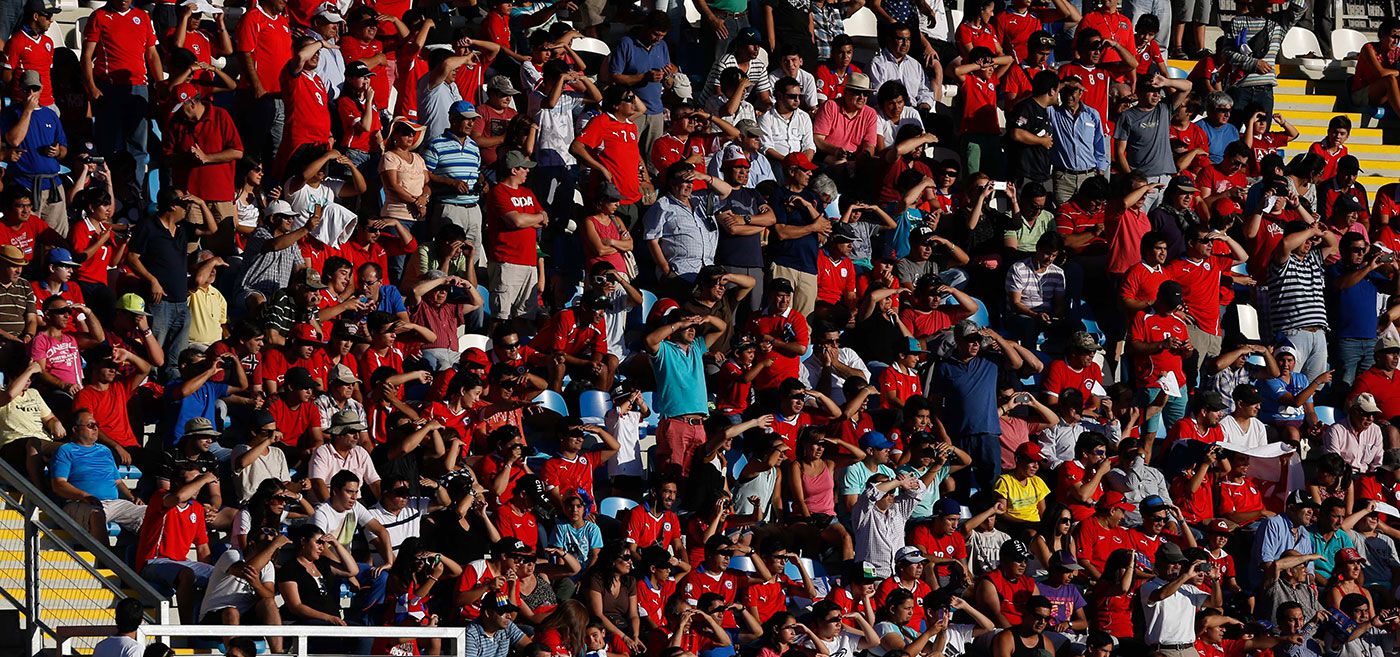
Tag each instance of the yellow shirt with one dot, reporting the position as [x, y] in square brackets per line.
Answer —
[208, 314]
[1021, 499]
[24, 417]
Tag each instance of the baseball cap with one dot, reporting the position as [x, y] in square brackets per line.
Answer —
[968, 330]
[800, 160]
[1387, 343]
[306, 333]
[609, 192]
[358, 69]
[279, 207]
[1346, 203]
[843, 233]
[47, 7]
[1015, 550]
[1065, 560]
[1348, 165]
[311, 279]
[130, 302]
[1182, 184]
[502, 85]
[463, 108]
[749, 128]
[200, 426]
[749, 37]
[516, 160]
[947, 506]
[737, 159]
[61, 256]
[1114, 500]
[477, 356]
[330, 13]
[30, 79]
[1211, 401]
[1084, 341]
[1152, 503]
[1366, 403]
[1247, 394]
[1219, 526]
[1041, 41]
[1302, 497]
[1349, 555]
[909, 554]
[299, 378]
[1170, 294]
[510, 545]
[532, 487]
[913, 346]
[1225, 206]
[875, 440]
[1030, 452]
[497, 602]
[1169, 553]
[1285, 350]
[343, 374]
[781, 285]
[864, 571]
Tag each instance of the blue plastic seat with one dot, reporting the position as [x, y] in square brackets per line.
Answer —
[553, 401]
[981, 318]
[593, 406]
[612, 506]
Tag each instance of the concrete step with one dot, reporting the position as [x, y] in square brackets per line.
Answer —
[1374, 183]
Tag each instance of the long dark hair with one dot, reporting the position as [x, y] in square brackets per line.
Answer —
[603, 570]
[570, 620]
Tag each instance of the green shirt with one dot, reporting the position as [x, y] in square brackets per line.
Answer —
[1027, 235]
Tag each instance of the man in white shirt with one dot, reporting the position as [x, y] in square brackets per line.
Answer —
[790, 66]
[786, 128]
[829, 365]
[342, 515]
[241, 586]
[1169, 604]
[399, 513]
[129, 615]
[894, 63]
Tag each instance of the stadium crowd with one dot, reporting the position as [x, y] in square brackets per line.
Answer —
[602, 334]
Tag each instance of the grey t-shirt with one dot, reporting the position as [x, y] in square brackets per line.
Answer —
[909, 271]
[1148, 136]
[433, 104]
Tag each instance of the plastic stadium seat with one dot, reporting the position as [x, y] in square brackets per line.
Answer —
[742, 564]
[862, 24]
[957, 18]
[981, 318]
[593, 406]
[612, 506]
[1177, 73]
[591, 46]
[1346, 43]
[553, 401]
[1301, 47]
[485, 299]
[1326, 414]
[649, 422]
[648, 300]
[470, 340]
[692, 13]
[1248, 321]
[814, 568]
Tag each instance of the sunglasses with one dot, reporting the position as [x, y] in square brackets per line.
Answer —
[509, 345]
[398, 492]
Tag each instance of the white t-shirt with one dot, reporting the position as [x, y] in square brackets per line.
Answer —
[402, 525]
[226, 591]
[118, 646]
[844, 644]
[627, 429]
[342, 524]
[1172, 620]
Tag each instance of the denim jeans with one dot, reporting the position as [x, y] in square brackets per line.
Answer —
[720, 47]
[170, 323]
[1257, 98]
[1353, 356]
[985, 450]
[1312, 350]
[120, 124]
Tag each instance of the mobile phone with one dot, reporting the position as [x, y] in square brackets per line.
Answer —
[1022, 398]
[998, 186]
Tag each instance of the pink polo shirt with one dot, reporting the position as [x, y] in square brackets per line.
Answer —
[842, 131]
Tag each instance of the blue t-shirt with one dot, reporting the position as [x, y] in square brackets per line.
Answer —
[1272, 410]
[578, 541]
[1219, 138]
[680, 379]
[203, 403]
[970, 391]
[632, 58]
[1353, 309]
[801, 253]
[91, 469]
[44, 130]
[390, 300]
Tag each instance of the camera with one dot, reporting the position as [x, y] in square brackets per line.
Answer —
[600, 280]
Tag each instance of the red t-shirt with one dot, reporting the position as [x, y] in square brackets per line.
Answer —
[308, 111]
[352, 49]
[1014, 595]
[493, 123]
[980, 105]
[1200, 282]
[562, 333]
[924, 323]
[1060, 376]
[616, 142]
[1124, 227]
[109, 409]
[731, 391]
[1113, 26]
[122, 39]
[1072, 475]
[920, 590]
[94, 268]
[1141, 283]
[905, 384]
[523, 525]
[669, 149]
[351, 112]
[832, 84]
[26, 52]
[1211, 180]
[970, 36]
[725, 584]
[1187, 429]
[1095, 543]
[835, 278]
[1096, 83]
[1015, 30]
[952, 546]
[516, 246]
[1192, 135]
[410, 70]
[295, 423]
[1072, 220]
[1195, 507]
[169, 532]
[1149, 326]
[645, 529]
[27, 234]
[788, 327]
[213, 133]
[269, 39]
[570, 475]
[1239, 497]
[1329, 157]
[1385, 388]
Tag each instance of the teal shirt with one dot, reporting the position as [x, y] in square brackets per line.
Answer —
[853, 481]
[925, 507]
[1328, 550]
[680, 379]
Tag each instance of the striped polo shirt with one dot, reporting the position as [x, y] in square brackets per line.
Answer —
[1296, 293]
[459, 160]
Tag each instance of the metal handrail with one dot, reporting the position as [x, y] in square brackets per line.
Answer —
[34, 498]
[301, 633]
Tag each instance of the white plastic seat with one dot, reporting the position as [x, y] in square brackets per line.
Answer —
[1347, 43]
[1301, 47]
[692, 13]
[863, 23]
[1248, 321]
[590, 45]
[469, 340]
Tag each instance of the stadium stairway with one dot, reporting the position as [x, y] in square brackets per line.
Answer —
[1310, 104]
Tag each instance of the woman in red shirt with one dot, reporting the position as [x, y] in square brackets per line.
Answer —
[1111, 598]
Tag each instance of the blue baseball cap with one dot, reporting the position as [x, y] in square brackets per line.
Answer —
[875, 440]
[61, 256]
[946, 506]
[464, 108]
[914, 347]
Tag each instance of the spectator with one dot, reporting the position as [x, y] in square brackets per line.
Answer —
[33, 127]
[85, 475]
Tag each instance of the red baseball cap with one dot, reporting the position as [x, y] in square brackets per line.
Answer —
[1349, 555]
[182, 94]
[800, 160]
[306, 333]
[1225, 206]
[477, 356]
[661, 309]
[1030, 452]
[1114, 500]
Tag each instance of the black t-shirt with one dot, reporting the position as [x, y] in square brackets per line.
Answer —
[445, 534]
[874, 338]
[1031, 162]
[321, 594]
[165, 255]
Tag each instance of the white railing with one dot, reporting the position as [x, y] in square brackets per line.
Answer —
[298, 633]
